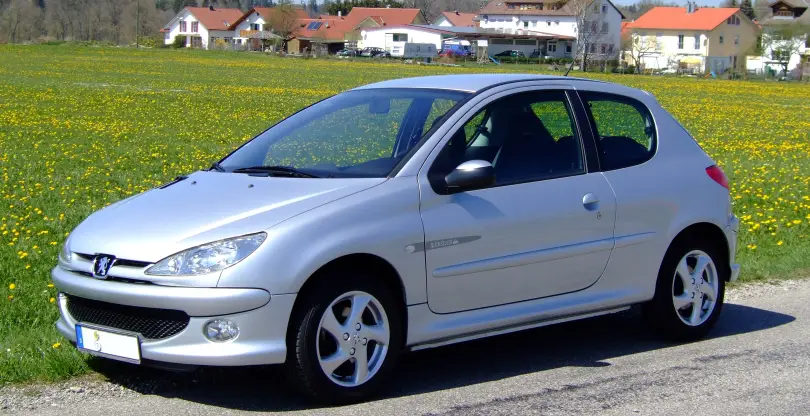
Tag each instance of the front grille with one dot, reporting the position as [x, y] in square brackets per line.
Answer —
[117, 262]
[149, 322]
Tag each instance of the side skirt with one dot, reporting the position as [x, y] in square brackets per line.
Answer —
[514, 328]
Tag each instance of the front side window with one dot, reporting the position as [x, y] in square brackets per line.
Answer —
[680, 41]
[400, 37]
[195, 27]
[721, 39]
[182, 26]
[363, 133]
[623, 127]
[526, 137]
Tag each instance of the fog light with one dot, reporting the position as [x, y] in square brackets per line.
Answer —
[221, 330]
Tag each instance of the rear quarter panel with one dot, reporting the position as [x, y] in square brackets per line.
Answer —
[656, 200]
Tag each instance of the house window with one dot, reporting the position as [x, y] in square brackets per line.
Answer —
[400, 37]
[183, 26]
[548, 22]
[556, 23]
[733, 20]
[604, 8]
[525, 25]
[603, 49]
[697, 42]
[737, 40]
[721, 39]
[594, 27]
[195, 27]
[540, 6]
[643, 41]
[596, 8]
[552, 46]
[610, 49]
[593, 48]
[604, 27]
[255, 26]
[680, 41]
[567, 47]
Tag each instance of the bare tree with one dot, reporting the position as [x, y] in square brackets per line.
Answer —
[640, 47]
[283, 21]
[591, 28]
[784, 41]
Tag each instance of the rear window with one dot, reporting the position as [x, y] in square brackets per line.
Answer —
[624, 130]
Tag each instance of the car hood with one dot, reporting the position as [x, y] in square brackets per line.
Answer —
[205, 207]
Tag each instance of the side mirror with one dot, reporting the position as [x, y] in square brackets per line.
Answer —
[471, 175]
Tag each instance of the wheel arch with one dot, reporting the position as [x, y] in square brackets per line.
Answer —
[706, 231]
[359, 261]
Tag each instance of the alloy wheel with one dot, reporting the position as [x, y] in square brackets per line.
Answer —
[353, 339]
[695, 288]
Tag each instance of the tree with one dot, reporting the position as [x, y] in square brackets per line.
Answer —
[591, 28]
[748, 9]
[178, 5]
[640, 47]
[782, 42]
[283, 21]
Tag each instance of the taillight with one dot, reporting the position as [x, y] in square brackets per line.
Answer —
[718, 175]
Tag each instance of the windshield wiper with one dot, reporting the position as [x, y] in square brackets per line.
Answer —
[276, 170]
[217, 167]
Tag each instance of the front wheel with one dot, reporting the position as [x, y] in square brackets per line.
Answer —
[344, 339]
[689, 291]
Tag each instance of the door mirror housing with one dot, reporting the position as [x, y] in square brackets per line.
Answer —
[470, 175]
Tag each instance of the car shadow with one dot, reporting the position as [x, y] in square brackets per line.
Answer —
[585, 343]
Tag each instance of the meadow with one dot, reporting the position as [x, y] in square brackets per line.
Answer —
[82, 127]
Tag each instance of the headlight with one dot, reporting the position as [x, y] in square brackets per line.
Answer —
[64, 254]
[207, 258]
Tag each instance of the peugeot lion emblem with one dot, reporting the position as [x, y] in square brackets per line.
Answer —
[101, 265]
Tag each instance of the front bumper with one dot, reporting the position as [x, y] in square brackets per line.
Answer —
[262, 321]
[731, 236]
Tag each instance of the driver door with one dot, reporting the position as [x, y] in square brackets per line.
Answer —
[544, 229]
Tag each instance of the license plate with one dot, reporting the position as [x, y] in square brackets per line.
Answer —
[109, 344]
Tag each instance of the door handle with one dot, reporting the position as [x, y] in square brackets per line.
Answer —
[590, 202]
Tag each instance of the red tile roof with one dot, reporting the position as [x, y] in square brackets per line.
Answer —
[267, 13]
[392, 16]
[334, 28]
[217, 19]
[677, 18]
[460, 19]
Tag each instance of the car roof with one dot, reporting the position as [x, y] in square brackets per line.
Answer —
[468, 82]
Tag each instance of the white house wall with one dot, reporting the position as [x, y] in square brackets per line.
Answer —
[557, 25]
[254, 18]
[667, 53]
[442, 21]
[174, 29]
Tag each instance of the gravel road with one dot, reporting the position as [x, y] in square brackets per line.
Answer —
[756, 361]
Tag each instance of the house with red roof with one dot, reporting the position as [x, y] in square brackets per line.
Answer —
[456, 19]
[337, 32]
[693, 38]
[254, 25]
[202, 27]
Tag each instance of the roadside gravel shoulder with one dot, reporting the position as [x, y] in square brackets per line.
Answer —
[131, 384]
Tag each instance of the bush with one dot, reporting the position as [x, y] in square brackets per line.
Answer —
[179, 42]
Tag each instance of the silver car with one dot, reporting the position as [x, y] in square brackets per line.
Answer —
[405, 215]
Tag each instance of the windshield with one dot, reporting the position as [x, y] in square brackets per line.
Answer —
[363, 133]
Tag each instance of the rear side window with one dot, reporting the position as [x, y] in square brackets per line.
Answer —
[624, 130]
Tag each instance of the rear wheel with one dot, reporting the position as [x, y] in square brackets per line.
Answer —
[345, 339]
[689, 292]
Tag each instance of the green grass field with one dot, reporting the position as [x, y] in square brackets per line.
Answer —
[82, 127]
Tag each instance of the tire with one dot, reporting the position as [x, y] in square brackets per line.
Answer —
[312, 338]
[682, 323]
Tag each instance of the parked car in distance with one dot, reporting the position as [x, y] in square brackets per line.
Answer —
[331, 243]
[512, 53]
[347, 52]
[375, 53]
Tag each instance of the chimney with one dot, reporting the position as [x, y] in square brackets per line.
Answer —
[691, 7]
[211, 8]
